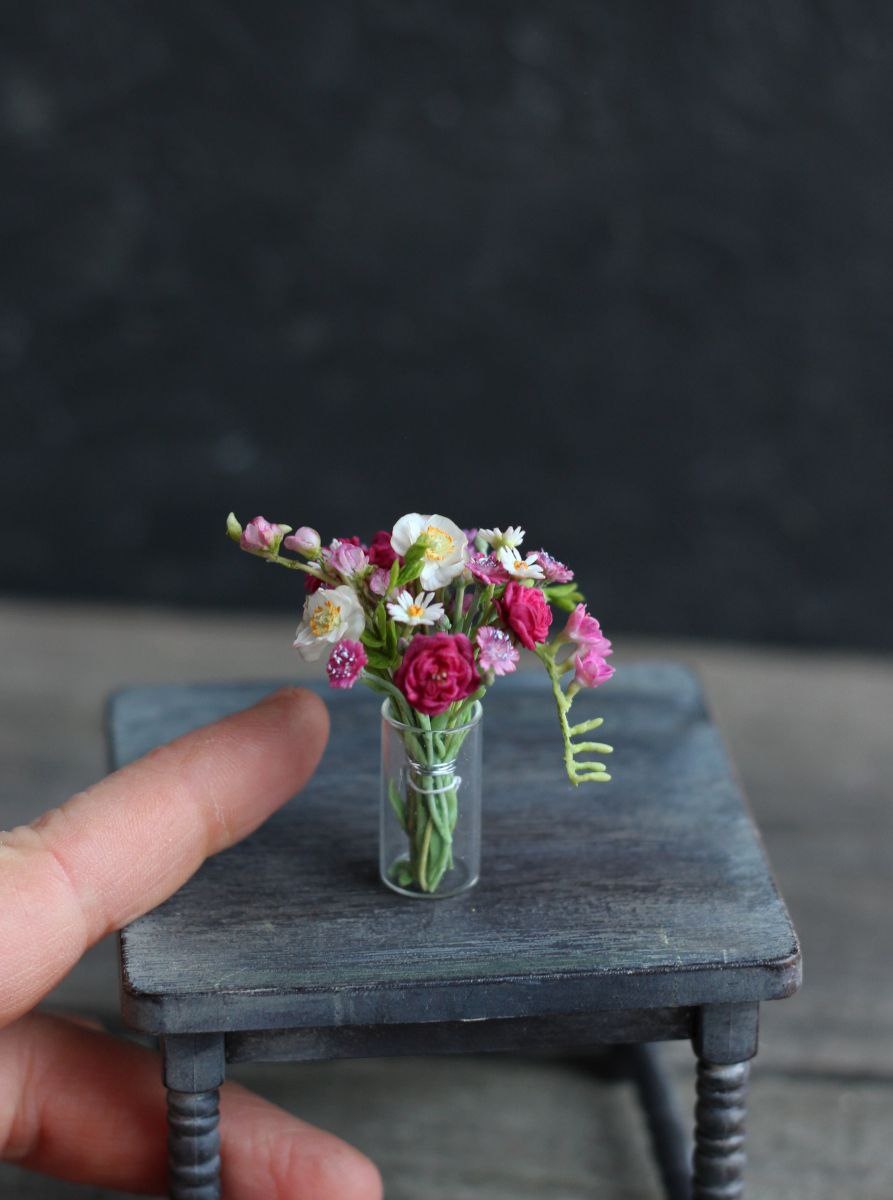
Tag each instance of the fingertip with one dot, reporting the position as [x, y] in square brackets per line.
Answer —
[307, 713]
[354, 1176]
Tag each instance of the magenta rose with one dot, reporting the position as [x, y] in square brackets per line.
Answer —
[381, 552]
[525, 611]
[437, 669]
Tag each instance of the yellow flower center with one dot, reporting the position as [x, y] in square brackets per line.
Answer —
[440, 544]
[415, 610]
[324, 618]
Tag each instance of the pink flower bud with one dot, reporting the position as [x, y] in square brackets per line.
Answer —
[590, 669]
[260, 536]
[304, 541]
[345, 558]
[378, 581]
[585, 631]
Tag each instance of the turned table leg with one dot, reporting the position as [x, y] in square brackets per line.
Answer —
[725, 1041]
[193, 1071]
[719, 1158]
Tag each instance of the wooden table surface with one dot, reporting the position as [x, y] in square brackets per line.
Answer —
[651, 891]
[810, 734]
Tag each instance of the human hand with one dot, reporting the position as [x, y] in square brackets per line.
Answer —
[75, 1102]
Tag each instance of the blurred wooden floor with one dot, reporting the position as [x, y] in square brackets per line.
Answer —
[811, 734]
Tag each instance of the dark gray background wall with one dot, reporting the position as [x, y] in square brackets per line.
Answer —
[622, 273]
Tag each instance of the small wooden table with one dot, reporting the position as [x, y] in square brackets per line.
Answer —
[618, 914]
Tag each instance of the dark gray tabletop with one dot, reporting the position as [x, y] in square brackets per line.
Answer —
[652, 890]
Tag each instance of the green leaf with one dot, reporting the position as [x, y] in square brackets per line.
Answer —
[565, 596]
[379, 661]
[412, 565]
[380, 620]
[392, 578]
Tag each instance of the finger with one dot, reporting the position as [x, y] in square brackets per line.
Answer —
[84, 1107]
[127, 843]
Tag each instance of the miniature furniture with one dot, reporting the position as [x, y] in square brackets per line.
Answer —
[608, 915]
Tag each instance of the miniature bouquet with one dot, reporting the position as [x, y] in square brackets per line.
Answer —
[430, 615]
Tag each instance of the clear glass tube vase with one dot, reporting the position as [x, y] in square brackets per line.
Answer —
[430, 832]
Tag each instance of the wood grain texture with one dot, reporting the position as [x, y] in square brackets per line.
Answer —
[647, 892]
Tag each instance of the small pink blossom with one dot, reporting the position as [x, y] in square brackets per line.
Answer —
[261, 535]
[304, 540]
[345, 558]
[590, 668]
[487, 568]
[497, 654]
[553, 570]
[345, 663]
[470, 535]
[379, 580]
[585, 631]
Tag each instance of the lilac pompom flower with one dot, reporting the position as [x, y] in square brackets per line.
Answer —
[496, 652]
[487, 568]
[553, 570]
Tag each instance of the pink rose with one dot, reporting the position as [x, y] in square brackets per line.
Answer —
[381, 552]
[590, 669]
[437, 669]
[526, 613]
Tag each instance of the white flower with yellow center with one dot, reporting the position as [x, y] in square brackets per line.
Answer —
[512, 538]
[330, 614]
[521, 568]
[415, 612]
[447, 551]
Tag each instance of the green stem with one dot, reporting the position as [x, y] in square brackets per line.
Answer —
[291, 563]
[457, 612]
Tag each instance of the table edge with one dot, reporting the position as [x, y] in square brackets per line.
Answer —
[463, 999]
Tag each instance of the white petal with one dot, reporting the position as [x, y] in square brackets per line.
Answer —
[406, 531]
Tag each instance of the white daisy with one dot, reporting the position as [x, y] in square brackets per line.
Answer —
[447, 551]
[513, 537]
[521, 568]
[330, 614]
[415, 612]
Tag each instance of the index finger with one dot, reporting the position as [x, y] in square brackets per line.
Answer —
[124, 845]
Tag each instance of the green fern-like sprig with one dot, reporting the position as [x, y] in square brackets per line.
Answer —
[578, 770]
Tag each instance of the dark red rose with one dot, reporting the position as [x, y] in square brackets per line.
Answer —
[437, 669]
[526, 613]
[381, 552]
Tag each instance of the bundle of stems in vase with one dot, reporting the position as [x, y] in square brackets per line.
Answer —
[430, 615]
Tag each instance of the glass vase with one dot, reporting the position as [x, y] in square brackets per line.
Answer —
[430, 831]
